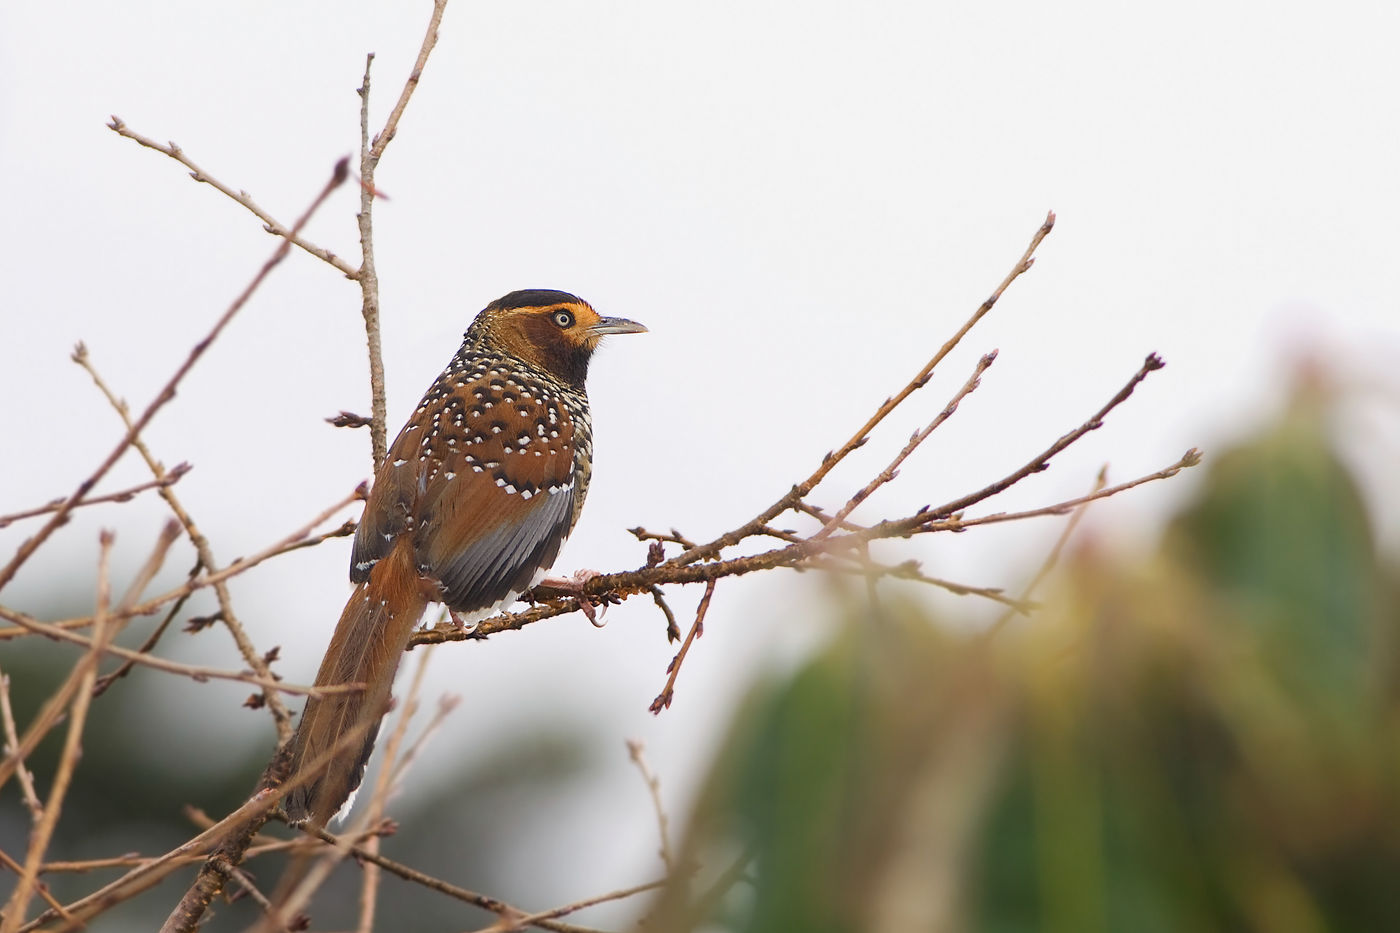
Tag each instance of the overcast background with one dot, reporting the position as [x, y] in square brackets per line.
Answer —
[800, 200]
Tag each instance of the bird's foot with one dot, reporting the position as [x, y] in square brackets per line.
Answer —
[465, 621]
[594, 607]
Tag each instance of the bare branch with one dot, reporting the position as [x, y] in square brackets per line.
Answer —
[697, 628]
[30, 545]
[124, 495]
[79, 687]
[281, 716]
[13, 749]
[1042, 460]
[270, 224]
[921, 378]
[891, 471]
[635, 751]
[1053, 557]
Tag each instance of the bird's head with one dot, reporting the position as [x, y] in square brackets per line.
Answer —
[552, 330]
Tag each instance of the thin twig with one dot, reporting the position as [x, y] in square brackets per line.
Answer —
[909, 570]
[200, 175]
[281, 716]
[628, 583]
[300, 538]
[12, 748]
[124, 495]
[391, 125]
[829, 462]
[229, 848]
[369, 283]
[60, 516]
[510, 924]
[41, 889]
[1042, 460]
[83, 676]
[673, 631]
[370, 154]
[110, 624]
[385, 784]
[663, 699]
[130, 861]
[298, 541]
[1189, 459]
[890, 472]
[1053, 557]
[105, 682]
[484, 901]
[635, 750]
[153, 871]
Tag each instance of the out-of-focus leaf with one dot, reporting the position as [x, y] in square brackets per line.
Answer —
[1202, 740]
[1281, 531]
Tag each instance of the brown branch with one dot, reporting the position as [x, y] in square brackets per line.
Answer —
[1189, 459]
[635, 751]
[79, 687]
[301, 540]
[200, 175]
[663, 699]
[153, 871]
[485, 902]
[238, 830]
[42, 890]
[60, 516]
[673, 631]
[1052, 558]
[105, 626]
[124, 495]
[298, 539]
[890, 472]
[193, 671]
[909, 570]
[370, 154]
[509, 924]
[388, 780]
[628, 583]
[802, 489]
[1042, 460]
[671, 537]
[105, 682]
[369, 283]
[83, 675]
[13, 749]
[130, 861]
[281, 716]
[391, 126]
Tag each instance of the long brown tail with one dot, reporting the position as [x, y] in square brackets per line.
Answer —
[369, 640]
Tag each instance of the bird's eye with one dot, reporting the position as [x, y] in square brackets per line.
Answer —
[564, 319]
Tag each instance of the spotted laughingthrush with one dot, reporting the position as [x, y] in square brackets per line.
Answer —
[469, 508]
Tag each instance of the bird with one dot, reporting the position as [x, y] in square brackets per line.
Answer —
[469, 508]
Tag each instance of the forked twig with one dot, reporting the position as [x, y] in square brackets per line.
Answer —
[921, 378]
[697, 628]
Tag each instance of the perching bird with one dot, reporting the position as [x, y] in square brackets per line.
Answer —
[469, 508]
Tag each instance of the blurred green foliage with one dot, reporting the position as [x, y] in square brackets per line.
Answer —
[1203, 739]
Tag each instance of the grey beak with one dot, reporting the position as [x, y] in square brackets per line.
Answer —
[616, 325]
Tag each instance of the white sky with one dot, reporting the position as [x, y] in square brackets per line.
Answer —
[800, 200]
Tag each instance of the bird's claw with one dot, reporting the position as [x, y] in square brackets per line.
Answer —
[594, 607]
